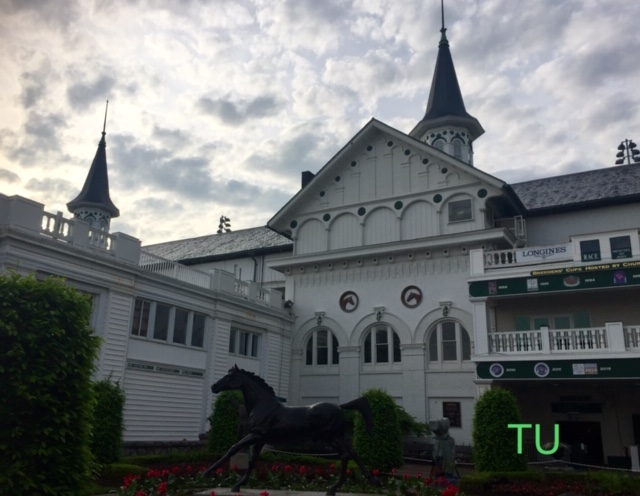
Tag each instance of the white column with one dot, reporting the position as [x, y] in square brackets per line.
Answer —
[349, 372]
[480, 328]
[413, 380]
[615, 337]
[294, 378]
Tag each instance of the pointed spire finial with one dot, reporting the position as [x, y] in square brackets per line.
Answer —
[443, 30]
[104, 126]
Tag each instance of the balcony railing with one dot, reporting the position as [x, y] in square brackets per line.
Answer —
[612, 337]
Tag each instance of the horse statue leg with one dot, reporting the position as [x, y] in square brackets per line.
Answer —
[248, 440]
[346, 452]
[255, 453]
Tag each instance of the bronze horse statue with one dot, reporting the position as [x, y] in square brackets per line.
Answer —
[272, 422]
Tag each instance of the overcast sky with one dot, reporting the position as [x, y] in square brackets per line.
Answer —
[216, 107]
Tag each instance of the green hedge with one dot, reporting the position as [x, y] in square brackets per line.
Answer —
[383, 449]
[224, 421]
[595, 483]
[495, 446]
[108, 423]
[47, 356]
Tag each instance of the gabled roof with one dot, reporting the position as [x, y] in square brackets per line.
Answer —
[95, 192]
[360, 139]
[245, 242]
[445, 103]
[610, 185]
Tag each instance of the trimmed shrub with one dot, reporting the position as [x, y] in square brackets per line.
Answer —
[225, 421]
[382, 449]
[108, 423]
[495, 446]
[47, 356]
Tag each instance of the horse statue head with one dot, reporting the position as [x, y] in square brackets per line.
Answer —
[233, 380]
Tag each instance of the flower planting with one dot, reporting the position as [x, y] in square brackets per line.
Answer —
[187, 480]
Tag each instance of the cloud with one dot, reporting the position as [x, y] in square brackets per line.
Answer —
[60, 189]
[81, 95]
[39, 141]
[8, 176]
[55, 14]
[238, 113]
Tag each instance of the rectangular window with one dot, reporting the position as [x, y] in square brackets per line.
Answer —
[322, 348]
[539, 322]
[452, 411]
[620, 247]
[180, 326]
[244, 343]
[523, 323]
[140, 318]
[563, 322]
[449, 351]
[460, 210]
[197, 333]
[590, 250]
[161, 326]
[335, 355]
[382, 346]
[581, 320]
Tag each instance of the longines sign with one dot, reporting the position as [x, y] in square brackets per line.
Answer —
[546, 253]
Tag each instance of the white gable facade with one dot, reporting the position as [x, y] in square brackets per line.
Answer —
[378, 275]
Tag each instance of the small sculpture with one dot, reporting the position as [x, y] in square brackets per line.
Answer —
[444, 459]
[271, 422]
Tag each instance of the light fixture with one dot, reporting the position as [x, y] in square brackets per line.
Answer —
[288, 304]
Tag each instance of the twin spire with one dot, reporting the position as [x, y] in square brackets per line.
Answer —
[94, 204]
[446, 123]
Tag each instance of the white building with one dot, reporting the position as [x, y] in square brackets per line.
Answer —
[403, 266]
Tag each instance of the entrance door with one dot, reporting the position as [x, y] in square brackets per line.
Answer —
[635, 419]
[574, 434]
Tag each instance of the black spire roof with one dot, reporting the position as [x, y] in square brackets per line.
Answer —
[445, 103]
[95, 192]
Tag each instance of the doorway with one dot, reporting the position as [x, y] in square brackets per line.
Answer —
[576, 433]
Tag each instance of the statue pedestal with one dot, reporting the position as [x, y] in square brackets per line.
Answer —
[240, 461]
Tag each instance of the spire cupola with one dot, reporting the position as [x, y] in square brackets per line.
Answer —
[94, 204]
[446, 124]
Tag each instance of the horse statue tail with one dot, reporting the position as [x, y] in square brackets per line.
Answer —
[364, 407]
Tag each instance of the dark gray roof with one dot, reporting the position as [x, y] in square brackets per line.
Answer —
[445, 98]
[602, 186]
[245, 242]
[95, 192]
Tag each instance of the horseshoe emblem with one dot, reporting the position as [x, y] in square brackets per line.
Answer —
[411, 296]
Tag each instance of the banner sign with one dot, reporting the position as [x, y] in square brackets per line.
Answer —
[544, 253]
[610, 368]
[562, 279]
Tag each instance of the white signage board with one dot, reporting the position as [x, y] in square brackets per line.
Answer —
[544, 253]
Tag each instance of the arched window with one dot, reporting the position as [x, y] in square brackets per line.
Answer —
[439, 143]
[322, 348]
[449, 342]
[382, 345]
[457, 148]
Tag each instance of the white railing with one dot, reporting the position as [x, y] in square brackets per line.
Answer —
[159, 265]
[632, 337]
[594, 339]
[241, 287]
[101, 240]
[56, 226]
[569, 340]
[499, 258]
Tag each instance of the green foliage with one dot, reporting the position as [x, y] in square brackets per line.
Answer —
[409, 425]
[108, 423]
[224, 421]
[495, 446]
[47, 356]
[538, 482]
[382, 449]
